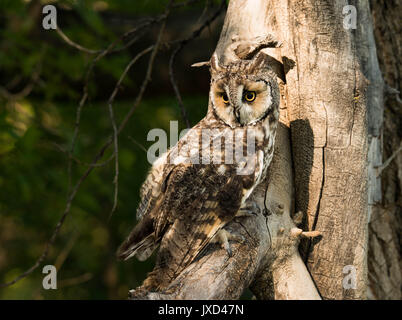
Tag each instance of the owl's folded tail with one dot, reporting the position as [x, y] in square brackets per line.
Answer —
[140, 243]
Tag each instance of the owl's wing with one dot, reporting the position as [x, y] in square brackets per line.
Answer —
[143, 239]
[141, 242]
[151, 188]
[199, 201]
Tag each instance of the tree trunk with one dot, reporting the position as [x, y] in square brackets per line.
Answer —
[327, 151]
[331, 106]
[333, 98]
[334, 101]
[385, 280]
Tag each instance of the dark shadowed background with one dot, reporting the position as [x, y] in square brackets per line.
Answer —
[41, 84]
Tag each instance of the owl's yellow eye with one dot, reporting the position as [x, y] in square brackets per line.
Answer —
[225, 98]
[249, 96]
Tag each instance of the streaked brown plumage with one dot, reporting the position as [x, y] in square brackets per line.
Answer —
[185, 204]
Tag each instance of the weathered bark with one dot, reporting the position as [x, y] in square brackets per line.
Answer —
[333, 109]
[264, 253]
[385, 228]
[271, 243]
[329, 101]
[332, 103]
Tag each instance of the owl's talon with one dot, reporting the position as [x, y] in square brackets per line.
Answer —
[223, 236]
[228, 249]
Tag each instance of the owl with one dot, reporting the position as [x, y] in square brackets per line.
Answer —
[202, 183]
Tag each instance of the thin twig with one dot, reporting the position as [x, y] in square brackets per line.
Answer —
[390, 91]
[98, 156]
[101, 54]
[115, 130]
[78, 161]
[204, 11]
[116, 158]
[147, 23]
[61, 258]
[26, 90]
[74, 44]
[184, 3]
[81, 105]
[75, 134]
[138, 144]
[14, 82]
[76, 280]
[175, 87]
[387, 162]
[182, 43]
[54, 235]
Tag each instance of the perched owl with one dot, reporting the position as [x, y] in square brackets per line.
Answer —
[194, 189]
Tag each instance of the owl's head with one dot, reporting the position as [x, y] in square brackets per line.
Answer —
[244, 92]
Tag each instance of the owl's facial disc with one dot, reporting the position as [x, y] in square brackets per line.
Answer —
[241, 102]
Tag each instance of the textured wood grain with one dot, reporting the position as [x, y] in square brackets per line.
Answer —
[332, 102]
[328, 107]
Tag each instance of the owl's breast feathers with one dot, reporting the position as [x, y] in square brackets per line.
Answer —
[183, 206]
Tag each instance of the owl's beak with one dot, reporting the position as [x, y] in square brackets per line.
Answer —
[236, 110]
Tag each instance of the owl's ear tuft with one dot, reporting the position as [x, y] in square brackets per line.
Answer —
[201, 64]
[214, 63]
[260, 61]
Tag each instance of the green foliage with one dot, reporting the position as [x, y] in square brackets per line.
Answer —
[34, 182]
[34, 178]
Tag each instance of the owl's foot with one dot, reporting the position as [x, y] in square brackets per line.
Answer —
[251, 209]
[223, 237]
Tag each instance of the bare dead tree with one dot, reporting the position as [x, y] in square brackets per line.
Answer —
[330, 137]
[324, 183]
